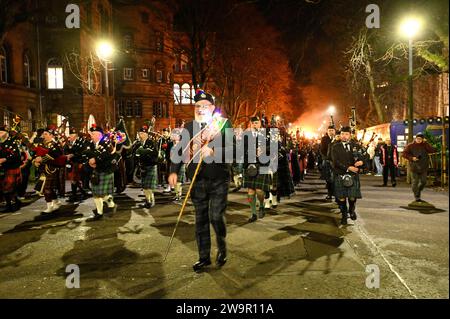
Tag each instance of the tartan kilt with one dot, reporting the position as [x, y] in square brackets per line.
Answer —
[341, 191]
[181, 174]
[260, 181]
[105, 184]
[75, 173]
[149, 177]
[11, 180]
[51, 179]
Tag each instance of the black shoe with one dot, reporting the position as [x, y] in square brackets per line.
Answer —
[394, 184]
[221, 259]
[252, 219]
[8, 209]
[72, 199]
[353, 215]
[261, 213]
[96, 216]
[384, 185]
[202, 263]
[329, 197]
[145, 205]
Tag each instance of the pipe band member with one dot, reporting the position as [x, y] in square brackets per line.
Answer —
[147, 157]
[74, 151]
[10, 174]
[347, 159]
[49, 160]
[256, 183]
[210, 189]
[100, 153]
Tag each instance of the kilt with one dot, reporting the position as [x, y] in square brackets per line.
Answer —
[182, 174]
[149, 177]
[10, 181]
[105, 185]
[75, 173]
[51, 178]
[260, 181]
[341, 191]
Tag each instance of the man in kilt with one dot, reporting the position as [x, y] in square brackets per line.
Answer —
[49, 160]
[10, 176]
[209, 192]
[256, 183]
[74, 151]
[101, 158]
[147, 157]
[347, 158]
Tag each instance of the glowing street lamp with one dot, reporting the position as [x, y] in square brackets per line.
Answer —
[105, 51]
[409, 28]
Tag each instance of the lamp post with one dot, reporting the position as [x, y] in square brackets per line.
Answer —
[409, 28]
[104, 52]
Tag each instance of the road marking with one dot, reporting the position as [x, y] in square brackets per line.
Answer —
[362, 231]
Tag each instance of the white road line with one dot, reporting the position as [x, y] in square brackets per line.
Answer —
[362, 231]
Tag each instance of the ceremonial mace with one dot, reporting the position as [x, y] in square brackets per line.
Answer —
[197, 169]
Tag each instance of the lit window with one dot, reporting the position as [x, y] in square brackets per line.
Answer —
[3, 66]
[6, 118]
[54, 75]
[128, 74]
[177, 93]
[185, 94]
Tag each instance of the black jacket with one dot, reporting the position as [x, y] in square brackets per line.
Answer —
[147, 153]
[211, 171]
[324, 144]
[10, 150]
[106, 161]
[342, 159]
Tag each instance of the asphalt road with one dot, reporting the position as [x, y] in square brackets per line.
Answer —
[298, 250]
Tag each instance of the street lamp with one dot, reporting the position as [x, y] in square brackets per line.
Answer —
[105, 51]
[409, 28]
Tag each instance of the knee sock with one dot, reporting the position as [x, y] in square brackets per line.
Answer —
[252, 201]
[98, 201]
[148, 194]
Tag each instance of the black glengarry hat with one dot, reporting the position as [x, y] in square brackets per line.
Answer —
[202, 95]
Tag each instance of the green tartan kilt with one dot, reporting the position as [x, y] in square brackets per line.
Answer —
[260, 181]
[341, 191]
[181, 174]
[149, 177]
[105, 185]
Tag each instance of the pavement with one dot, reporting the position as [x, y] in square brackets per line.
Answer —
[298, 250]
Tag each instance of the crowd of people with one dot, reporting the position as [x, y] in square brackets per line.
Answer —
[101, 163]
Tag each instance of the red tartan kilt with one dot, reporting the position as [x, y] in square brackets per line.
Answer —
[75, 173]
[11, 180]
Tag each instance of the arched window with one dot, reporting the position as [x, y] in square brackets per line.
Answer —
[177, 93]
[26, 71]
[3, 66]
[186, 94]
[55, 79]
